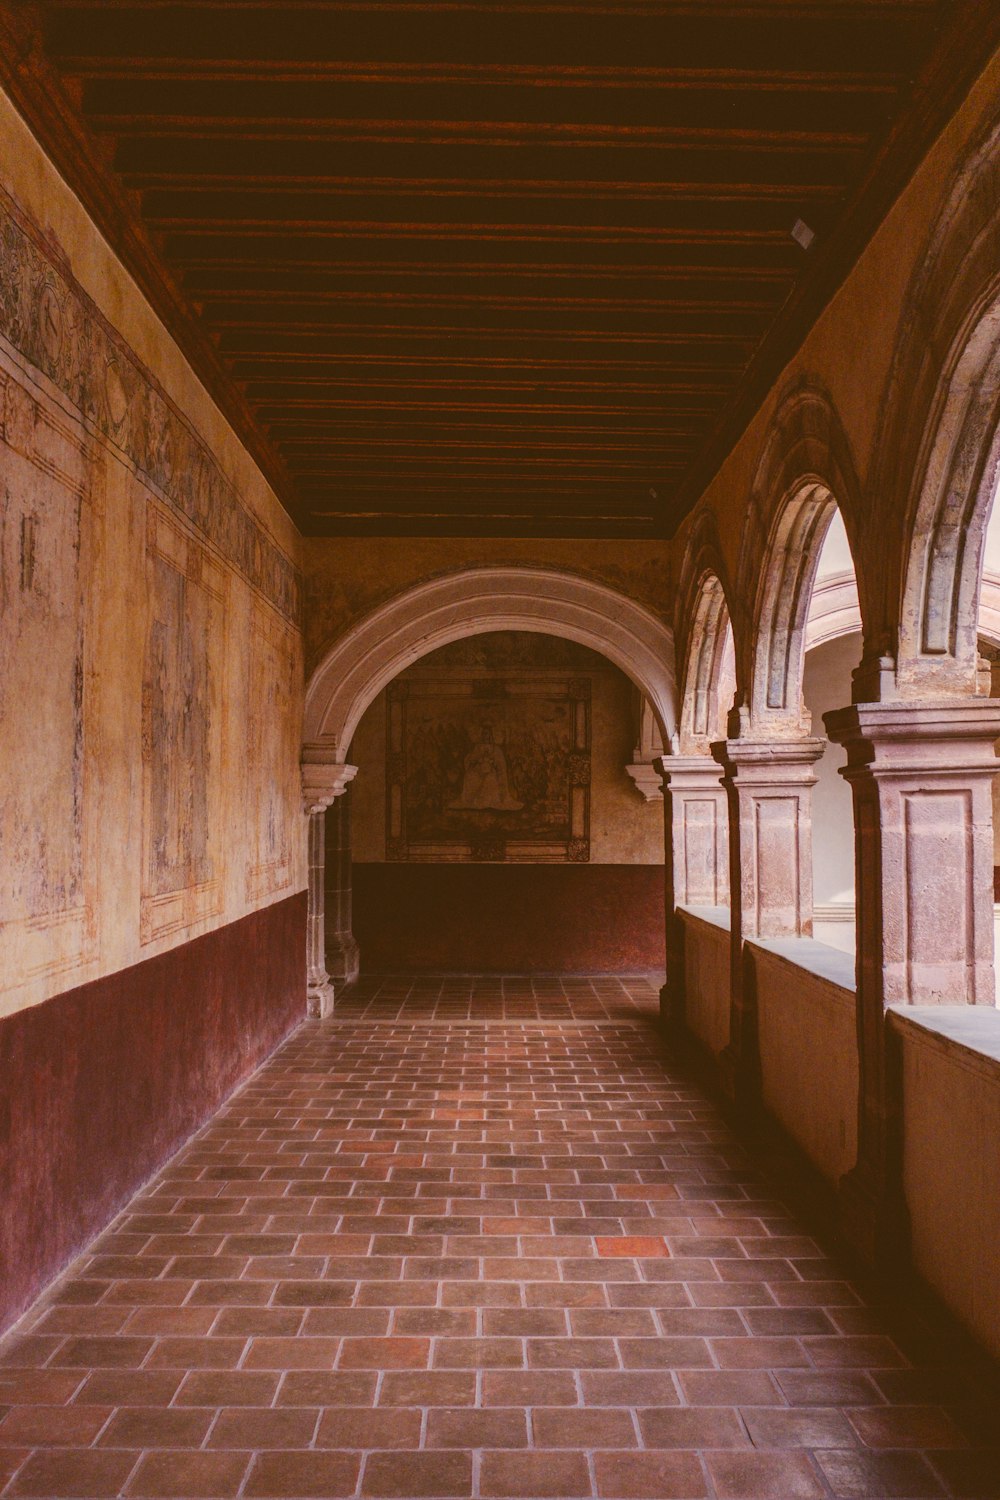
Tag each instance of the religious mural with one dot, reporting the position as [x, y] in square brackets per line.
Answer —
[488, 763]
[181, 731]
[271, 749]
[46, 527]
[48, 318]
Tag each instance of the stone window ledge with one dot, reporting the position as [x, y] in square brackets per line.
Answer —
[712, 916]
[968, 1034]
[832, 965]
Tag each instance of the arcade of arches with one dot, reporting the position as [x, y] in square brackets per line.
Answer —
[506, 883]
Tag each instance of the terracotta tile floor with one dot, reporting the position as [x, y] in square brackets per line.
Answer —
[514, 997]
[435, 1256]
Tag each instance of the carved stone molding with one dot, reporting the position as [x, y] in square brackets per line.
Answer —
[649, 747]
[922, 782]
[647, 780]
[770, 790]
[323, 780]
[368, 656]
[52, 322]
[833, 610]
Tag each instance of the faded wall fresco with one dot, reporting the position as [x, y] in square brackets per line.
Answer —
[272, 721]
[51, 322]
[181, 731]
[46, 536]
[150, 653]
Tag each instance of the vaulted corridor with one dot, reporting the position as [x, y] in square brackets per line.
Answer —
[475, 1238]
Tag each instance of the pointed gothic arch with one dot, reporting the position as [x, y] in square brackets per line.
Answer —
[805, 473]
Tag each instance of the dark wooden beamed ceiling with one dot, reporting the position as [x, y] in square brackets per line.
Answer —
[510, 268]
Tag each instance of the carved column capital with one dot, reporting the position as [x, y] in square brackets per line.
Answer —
[682, 773]
[323, 779]
[647, 780]
[900, 737]
[763, 761]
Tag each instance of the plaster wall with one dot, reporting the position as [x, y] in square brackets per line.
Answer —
[706, 974]
[950, 1066]
[150, 693]
[807, 1038]
[152, 922]
[346, 577]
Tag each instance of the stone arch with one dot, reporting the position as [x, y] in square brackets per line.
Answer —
[709, 670]
[937, 467]
[471, 602]
[705, 629]
[833, 610]
[805, 473]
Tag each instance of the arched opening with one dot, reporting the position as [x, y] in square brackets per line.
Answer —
[988, 618]
[495, 825]
[454, 698]
[710, 676]
[938, 636]
[833, 647]
[807, 596]
[808, 644]
[369, 655]
[696, 995]
[948, 637]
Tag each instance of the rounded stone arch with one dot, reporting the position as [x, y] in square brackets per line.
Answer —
[805, 473]
[704, 627]
[472, 602]
[937, 466]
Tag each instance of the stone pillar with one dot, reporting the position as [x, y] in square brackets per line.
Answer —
[319, 990]
[697, 859]
[342, 958]
[921, 777]
[769, 785]
[322, 782]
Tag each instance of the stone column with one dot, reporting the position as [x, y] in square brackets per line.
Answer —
[921, 777]
[319, 990]
[342, 958]
[697, 859]
[322, 782]
[769, 785]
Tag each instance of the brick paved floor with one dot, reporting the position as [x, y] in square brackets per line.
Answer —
[435, 1256]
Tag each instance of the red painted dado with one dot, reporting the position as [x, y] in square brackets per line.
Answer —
[513, 918]
[104, 1082]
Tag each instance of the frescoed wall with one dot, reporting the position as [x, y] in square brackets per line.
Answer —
[133, 574]
[152, 928]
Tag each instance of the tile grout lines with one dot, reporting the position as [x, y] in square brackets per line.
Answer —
[495, 1256]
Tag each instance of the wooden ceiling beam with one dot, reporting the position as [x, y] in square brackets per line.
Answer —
[190, 184]
[495, 268]
[113, 66]
[329, 130]
[784, 10]
[37, 92]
